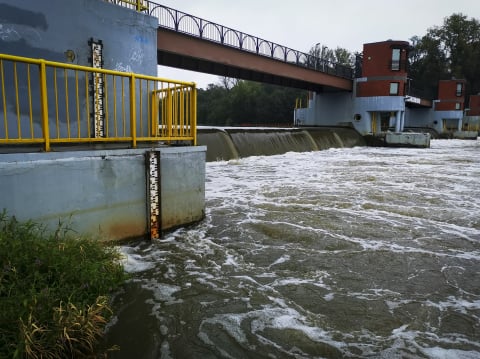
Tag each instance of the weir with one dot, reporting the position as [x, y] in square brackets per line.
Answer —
[232, 143]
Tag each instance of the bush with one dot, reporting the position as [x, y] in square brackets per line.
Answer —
[54, 291]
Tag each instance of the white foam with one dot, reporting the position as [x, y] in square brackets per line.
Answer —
[328, 297]
[441, 353]
[282, 259]
[163, 292]
[231, 323]
[133, 262]
[360, 201]
[231, 260]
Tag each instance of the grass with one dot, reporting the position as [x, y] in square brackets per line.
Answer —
[54, 291]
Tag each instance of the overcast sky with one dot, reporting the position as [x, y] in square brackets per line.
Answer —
[300, 24]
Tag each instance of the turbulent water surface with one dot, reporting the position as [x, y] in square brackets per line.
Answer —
[344, 253]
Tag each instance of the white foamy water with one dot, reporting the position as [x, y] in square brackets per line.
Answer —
[356, 252]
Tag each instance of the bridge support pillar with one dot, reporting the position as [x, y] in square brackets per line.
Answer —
[104, 193]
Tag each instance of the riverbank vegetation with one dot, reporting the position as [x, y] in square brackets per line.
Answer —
[247, 103]
[54, 291]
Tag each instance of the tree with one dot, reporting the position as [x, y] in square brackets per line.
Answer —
[213, 106]
[228, 82]
[321, 55]
[427, 66]
[247, 103]
[447, 51]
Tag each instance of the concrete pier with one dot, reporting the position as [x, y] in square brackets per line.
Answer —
[407, 139]
[465, 135]
[103, 193]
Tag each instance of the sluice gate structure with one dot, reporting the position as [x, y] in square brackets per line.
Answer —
[91, 136]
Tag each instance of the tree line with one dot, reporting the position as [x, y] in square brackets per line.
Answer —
[451, 50]
[246, 103]
[445, 52]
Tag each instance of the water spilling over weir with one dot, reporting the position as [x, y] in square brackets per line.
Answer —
[233, 143]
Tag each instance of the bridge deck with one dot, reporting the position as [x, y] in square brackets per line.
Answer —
[191, 53]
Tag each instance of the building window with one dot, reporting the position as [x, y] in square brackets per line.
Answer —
[457, 106]
[395, 59]
[394, 88]
[459, 88]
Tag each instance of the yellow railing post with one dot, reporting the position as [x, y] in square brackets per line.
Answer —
[44, 104]
[133, 112]
[4, 98]
[193, 117]
[374, 122]
[169, 101]
[154, 114]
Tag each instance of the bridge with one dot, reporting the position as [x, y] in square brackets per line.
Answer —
[192, 43]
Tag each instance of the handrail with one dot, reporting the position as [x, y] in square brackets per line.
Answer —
[46, 102]
[191, 25]
[132, 4]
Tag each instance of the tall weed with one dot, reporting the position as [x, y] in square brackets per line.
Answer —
[54, 290]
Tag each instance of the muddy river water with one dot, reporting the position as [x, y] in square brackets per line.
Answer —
[344, 253]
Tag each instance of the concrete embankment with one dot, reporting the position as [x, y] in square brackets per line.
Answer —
[105, 193]
[234, 142]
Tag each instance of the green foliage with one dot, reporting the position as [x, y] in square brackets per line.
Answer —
[247, 103]
[53, 291]
[339, 55]
[447, 51]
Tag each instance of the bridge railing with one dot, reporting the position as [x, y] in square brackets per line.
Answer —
[207, 30]
[46, 103]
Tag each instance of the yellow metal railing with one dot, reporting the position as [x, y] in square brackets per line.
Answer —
[49, 103]
[137, 5]
[298, 103]
[374, 123]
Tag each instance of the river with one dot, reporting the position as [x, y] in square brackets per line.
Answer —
[344, 253]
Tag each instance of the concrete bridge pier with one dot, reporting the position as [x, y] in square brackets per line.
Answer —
[106, 193]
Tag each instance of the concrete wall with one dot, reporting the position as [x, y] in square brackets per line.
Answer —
[472, 122]
[328, 109]
[53, 29]
[419, 117]
[102, 193]
[342, 108]
[98, 192]
[365, 106]
[48, 28]
[453, 118]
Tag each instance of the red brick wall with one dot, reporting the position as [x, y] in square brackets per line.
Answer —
[448, 106]
[379, 88]
[448, 97]
[377, 69]
[377, 58]
[474, 105]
